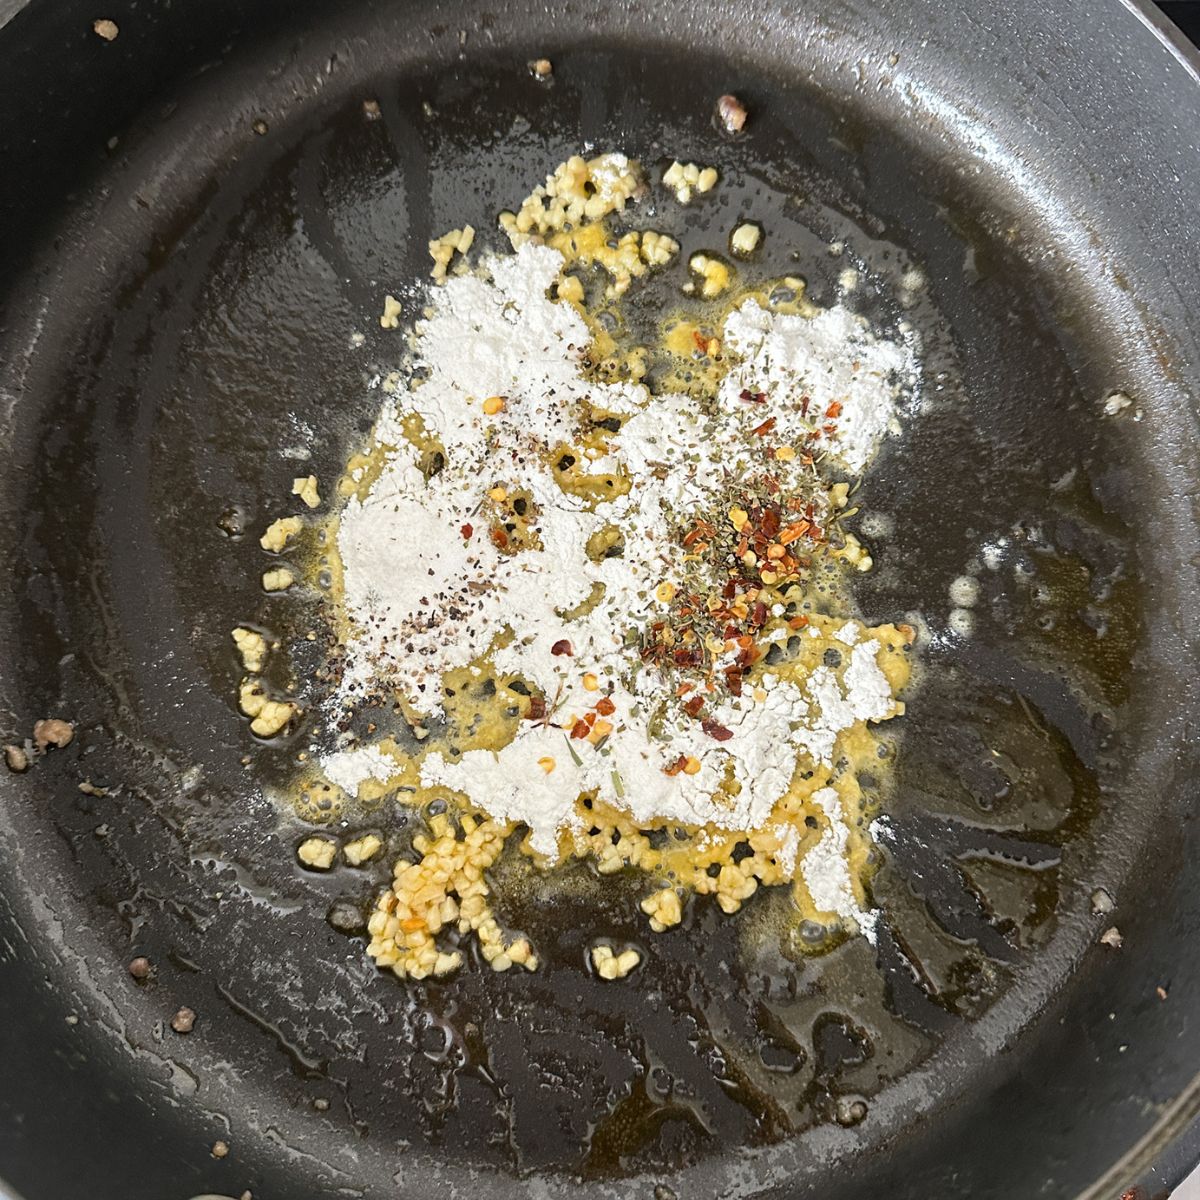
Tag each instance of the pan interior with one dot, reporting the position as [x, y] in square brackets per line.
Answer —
[208, 352]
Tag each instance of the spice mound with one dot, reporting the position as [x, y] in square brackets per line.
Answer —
[601, 590]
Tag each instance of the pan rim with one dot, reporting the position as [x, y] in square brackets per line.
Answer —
[1162, 26]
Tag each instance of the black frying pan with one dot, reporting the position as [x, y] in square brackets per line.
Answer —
[193, 218]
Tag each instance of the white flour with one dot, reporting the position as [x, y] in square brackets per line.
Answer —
[830, 358]
[428, 591]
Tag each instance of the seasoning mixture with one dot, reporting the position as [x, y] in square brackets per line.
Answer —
[593, 596]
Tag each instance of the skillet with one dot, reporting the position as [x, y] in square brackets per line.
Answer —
[195, 217]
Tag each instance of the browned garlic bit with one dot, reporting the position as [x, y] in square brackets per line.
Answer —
[731, 114]
[53, 732]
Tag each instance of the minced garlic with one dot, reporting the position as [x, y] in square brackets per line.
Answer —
[610, 965]
[715, 276]
[390, 318]
[571, 288]
[278, 579]
[279, 533]
[579, 190]
[269, 715]
[305, 487]
[442, 250]
[446, 886]
[252, 647]
[664, 909]
[685, 178]
[745, 238]
[317, 853]
[362, 849]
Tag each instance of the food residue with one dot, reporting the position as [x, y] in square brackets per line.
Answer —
[599, 608]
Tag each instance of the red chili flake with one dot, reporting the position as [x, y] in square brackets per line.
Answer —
[765, 427]
[758, 614]
[806, 460]
[499, 539]
[561, 648]
[733, 680]
[694, 536]
[731, 631]
[467, 530]
[715, 731]
[834, 410]
[805, 401]
[752, 397]
[579, 730]
[693, 706]
[688, 658]
[606, 707]
[770, 522]
[829, 428]
[700, 340]
[798, 622]
[729, 590]
[771, 483]
[537, 709]
[676, 766]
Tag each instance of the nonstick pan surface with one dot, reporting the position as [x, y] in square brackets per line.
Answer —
[198, 215]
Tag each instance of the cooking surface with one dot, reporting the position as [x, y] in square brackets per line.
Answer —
[214, 329]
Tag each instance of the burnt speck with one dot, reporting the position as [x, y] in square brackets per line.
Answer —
[183, 1021]
[232, 522]
[53, 732]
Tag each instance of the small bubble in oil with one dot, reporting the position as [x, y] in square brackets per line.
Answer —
[813, 932]
[325, 579]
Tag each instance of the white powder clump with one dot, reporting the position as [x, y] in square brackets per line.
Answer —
[831, 359]
[350, 768]
[826, 871]
[496, 381]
